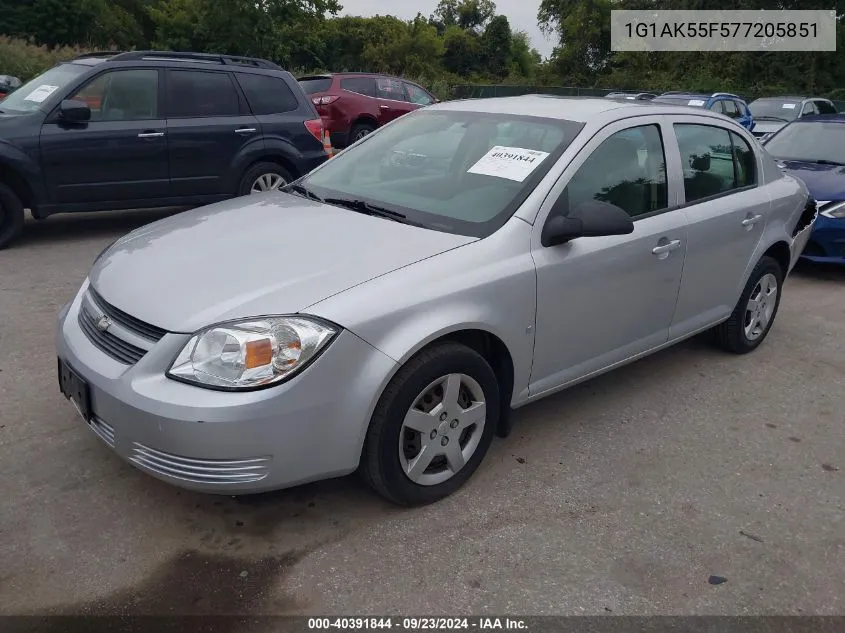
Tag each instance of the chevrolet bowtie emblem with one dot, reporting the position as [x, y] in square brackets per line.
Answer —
[104, 323]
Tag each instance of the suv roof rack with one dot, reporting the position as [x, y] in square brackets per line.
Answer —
[208, 58]
[98, 54]
[725, 94]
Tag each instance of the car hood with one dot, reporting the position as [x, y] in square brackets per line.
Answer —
[263, 254]
[825, 182]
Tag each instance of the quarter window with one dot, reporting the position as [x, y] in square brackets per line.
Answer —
[267, 95]
[122, 95]
[200, 94]
[714, 160]
[628, 170]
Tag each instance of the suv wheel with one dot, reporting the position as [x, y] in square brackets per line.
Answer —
[359, 131]
[11, 216]
[263, 177]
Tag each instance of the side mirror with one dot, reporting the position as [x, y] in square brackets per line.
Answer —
[74, 111]
[592, 218]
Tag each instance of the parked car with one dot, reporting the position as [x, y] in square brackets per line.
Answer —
[772, 113]
[812, 148]
[725, 103]
[151, 129]
[353, 105]
[635, 96]
[8, 84]
[387, 318]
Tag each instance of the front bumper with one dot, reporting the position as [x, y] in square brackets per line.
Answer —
[827, 241]
[309, 428]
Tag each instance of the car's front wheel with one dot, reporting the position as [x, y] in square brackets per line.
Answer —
[263, 177]
[432, 426]
[755, 311]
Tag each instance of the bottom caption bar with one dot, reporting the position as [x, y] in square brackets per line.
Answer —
[536, 624]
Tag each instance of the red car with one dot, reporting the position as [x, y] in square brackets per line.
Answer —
[354, 104]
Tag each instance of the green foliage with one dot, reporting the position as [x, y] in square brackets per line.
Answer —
[25, 60]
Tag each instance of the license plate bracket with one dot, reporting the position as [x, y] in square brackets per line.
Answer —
[76, 389]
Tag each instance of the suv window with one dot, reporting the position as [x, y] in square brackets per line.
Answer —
[809, 109]
[267, 95]
[417, 95]
[718, 106]
[122, 95]
[360, 85]
[194, 93]
[315, 84]
[389, 88]
[714, 160]
[825, 107]
[730, 108]
[628, 169]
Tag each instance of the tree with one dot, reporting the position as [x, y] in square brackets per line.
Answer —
[469, 15]
[583, 27]
[496, 46]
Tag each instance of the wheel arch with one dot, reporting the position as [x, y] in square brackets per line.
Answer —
[19, 184]
[364, 118]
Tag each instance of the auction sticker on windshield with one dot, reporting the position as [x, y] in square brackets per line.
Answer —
[789, 106]
[695, 102]
[40, 93]
[513, 163]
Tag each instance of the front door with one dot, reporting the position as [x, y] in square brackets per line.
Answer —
[726, 215]
[209, 124]
[391, 99]
[602, 300]
[119, 155]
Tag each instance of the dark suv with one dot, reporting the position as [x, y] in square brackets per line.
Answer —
[151, 129]
[354, 104]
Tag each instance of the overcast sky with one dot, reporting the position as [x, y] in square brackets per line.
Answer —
[521, 13]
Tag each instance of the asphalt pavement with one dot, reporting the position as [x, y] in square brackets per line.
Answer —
[691, 482]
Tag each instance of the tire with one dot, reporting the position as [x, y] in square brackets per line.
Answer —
[359, 131]
[270, 171]
[11, 216]
[736, 335]
[382, 458]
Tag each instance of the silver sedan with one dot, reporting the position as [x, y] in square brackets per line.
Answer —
[388, 311]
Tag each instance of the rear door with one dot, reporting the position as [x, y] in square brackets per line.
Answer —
[119, 155]
[209, 124]
[726, 217]
[391, 99]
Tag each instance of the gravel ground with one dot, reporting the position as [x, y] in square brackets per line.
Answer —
[623, 495]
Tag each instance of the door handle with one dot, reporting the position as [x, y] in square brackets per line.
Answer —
[150, 134]
[384, 107]
[751, 221]
[668, 247]
[245, 130]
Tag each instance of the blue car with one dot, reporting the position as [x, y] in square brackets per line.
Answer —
[730, 105]
[813, 149]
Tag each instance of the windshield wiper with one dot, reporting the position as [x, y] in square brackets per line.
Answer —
[770, 118]
[370, 209]
[304, 191]
[824, 161]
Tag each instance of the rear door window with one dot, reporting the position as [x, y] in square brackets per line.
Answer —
[730, 108]
[360, 85]
[707, 158]
[267, 95]
[313, 85]
[194, 93]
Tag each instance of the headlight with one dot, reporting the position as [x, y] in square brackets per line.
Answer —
[251, 353]
[835, 211]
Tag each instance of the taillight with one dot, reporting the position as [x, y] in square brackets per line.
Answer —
[315, 126]
[325, 100]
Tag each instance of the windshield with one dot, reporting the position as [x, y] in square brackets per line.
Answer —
[317, 84]
[682, 100]
[809, 142]
[778, 109]
[459, 172]
[30, 96]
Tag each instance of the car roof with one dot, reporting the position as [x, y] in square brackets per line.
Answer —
[787, 98]
[580, 109]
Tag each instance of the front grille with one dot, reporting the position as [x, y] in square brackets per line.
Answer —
[117, 348]
[129, 322]
[219, 472]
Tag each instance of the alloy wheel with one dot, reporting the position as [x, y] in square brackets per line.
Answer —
[267, 182]
[761, 307]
